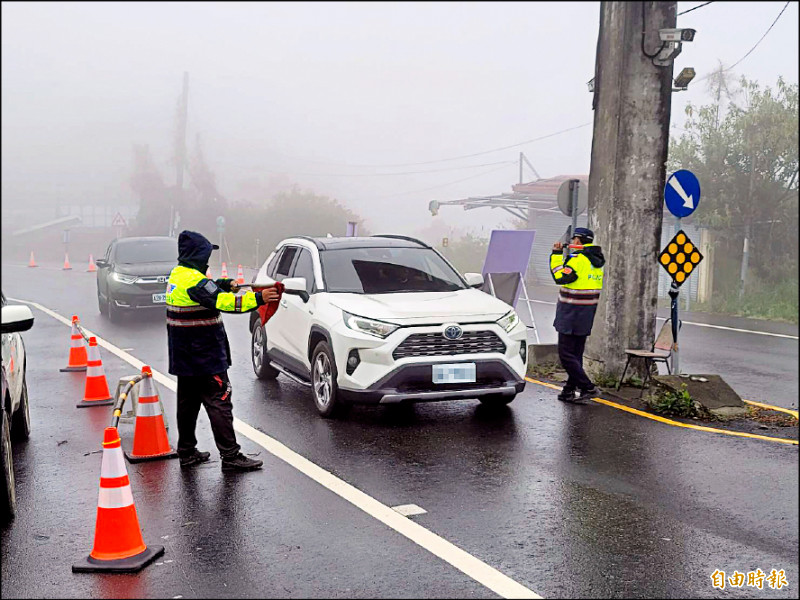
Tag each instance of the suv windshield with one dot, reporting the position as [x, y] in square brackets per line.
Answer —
[144, 251]
[388, 270]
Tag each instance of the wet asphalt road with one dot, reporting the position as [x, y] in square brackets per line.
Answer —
[570, 501]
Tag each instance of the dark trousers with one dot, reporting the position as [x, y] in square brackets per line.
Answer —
[570, 351]
[214, 392]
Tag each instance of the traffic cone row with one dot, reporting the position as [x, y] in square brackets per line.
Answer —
[118, 544]
[240, 276]
[150, 434]
[77, 350]
[96, 391]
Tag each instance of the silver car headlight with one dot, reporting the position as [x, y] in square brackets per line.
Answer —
[122, 278]
[508, 321]
[369, 326]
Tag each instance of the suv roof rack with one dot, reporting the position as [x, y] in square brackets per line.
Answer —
[403, 237]
[317, 243]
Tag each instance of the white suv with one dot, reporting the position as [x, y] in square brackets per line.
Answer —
[385, 319]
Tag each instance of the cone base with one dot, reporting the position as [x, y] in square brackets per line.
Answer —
[121, 565]
[133, 458]
[72, 369]
[87, 403]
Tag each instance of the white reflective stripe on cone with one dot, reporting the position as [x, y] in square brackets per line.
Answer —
[95, 371]
[113, 463]
[118, 497]
[77, 343]
[148, 409]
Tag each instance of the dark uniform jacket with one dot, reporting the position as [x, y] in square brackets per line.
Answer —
[198, 344]
[581, 280]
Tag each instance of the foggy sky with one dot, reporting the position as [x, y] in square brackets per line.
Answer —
[309, 89]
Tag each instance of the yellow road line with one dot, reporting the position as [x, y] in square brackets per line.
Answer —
[769, 406]
[674, 423]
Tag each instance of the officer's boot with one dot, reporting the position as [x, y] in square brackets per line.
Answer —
[241, 463]
[567, 394]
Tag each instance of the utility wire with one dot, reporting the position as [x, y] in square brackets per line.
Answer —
[431, 162]
[441, 185]
[504, 162]
[695, 8]
[762, 37]
[751, 49]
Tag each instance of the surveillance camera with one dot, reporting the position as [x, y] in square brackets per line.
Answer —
[676, 35]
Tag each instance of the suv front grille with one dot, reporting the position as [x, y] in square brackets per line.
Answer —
[435, 344]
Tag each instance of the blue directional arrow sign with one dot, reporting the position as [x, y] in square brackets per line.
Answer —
[682, 193]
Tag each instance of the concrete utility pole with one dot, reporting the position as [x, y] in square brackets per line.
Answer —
[626, 181]
[180, 149]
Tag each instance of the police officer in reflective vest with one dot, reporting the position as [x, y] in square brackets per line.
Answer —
[580, 276]
[199, 353]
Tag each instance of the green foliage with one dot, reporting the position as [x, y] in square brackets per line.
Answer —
[605, 379]
[746, 158]
[466, 253]
[674, 403]
[295, 212]
[635, 381]
[775, 302]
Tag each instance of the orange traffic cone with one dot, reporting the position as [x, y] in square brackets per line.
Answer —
[118, 544]
[67, 266]
[224, 270]
[240, 276]
[150, 434]
[92, 267]
[77, 349]
[96, 392]
[31, 262]
[208, 272]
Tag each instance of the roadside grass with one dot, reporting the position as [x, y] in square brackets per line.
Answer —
[777, 302]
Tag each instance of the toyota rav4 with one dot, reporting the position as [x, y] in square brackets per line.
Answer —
[384, 319]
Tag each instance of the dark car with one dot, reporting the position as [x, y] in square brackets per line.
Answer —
[133, 274]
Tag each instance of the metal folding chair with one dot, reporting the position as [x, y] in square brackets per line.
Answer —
[661, 351]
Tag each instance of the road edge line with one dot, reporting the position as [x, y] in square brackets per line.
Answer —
[482, 573]
[676, 423]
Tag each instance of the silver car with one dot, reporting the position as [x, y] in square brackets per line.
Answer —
[16, 414]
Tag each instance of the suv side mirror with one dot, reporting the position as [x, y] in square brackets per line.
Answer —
[101, 262]
[474, 280]
[16, 318]
[296, 286]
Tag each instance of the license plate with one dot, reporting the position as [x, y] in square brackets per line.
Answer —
[159, 298]
[457, 373]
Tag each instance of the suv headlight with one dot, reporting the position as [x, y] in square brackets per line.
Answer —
[124, 278]
[369, 326]
[508, 321]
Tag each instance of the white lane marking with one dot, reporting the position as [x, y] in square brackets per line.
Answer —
[409, 510]
[471, 566]
[780, 335]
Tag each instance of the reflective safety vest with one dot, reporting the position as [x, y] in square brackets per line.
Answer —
[198, 344]
[580, 278]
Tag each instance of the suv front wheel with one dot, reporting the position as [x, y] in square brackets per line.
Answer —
[259, 354]
[323, 381]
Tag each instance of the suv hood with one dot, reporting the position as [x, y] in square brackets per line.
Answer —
[423, 308]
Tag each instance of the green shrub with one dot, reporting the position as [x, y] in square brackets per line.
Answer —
[674, 403]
